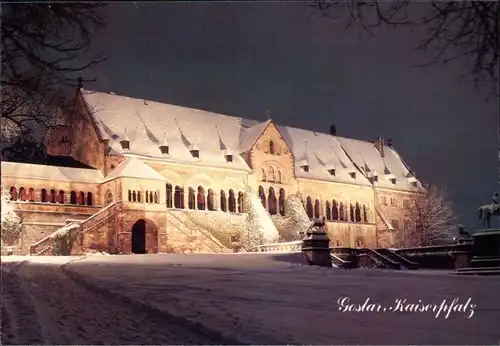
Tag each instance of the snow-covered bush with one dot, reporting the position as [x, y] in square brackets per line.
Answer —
[11, 222]
[294, 221]
[260, 229]
[64, 238]
[221, 225]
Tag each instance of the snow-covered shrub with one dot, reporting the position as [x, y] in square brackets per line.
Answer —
[260, 229]
[64, 238]
[221, 225]
[11, 222]
[294, 221]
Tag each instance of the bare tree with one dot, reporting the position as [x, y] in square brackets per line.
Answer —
[465, 31]
[430, 220]
[42, 53]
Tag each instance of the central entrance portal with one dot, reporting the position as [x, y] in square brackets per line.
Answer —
[139, 237]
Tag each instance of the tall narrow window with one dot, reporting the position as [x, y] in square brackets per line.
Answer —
[262, 196]
[151, 197]
[316, 209]
[210, 200]
[271, 147]
[351, 212]
[280, 178]
[134, 196]
[223, 201]
[271, 174]
[73, 199]
[241, 206]
[328, 211]
[341, 212]
[82, 198]
[309, 207]
[13, 193]
[357, 213]
[272, 202]
[200, 198]
[31, 194]
[365, 214]
[281, 203]
[138, 196]
[61, 197]
[89, 198]
[22, 194]
[335, 210]
[191, 198]
[169, 196]
[178, 197]
[232, 201]
[156, 197]
[52, 196]
[263, 174]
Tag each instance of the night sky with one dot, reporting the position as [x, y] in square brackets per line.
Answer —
[242, 59]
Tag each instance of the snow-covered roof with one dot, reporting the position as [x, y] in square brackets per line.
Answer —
[132, 167]
[32, 171]
[147, 125]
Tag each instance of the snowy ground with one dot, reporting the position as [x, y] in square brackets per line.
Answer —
[230, 299]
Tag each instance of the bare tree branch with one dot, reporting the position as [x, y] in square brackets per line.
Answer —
[462, 31]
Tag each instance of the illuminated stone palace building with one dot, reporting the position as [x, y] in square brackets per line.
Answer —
[145, 166]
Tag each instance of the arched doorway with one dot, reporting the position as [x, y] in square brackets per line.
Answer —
[139, 237]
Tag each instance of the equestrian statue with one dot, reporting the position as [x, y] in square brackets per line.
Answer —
[488, 210]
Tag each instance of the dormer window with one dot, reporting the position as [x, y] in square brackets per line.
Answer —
[228, 155]
[164, 148]
[393, 181]
[305, 168]
[332, 171]
[375, 178]
[195, 153]
[125, 144]
[353, 175]
[414, 184]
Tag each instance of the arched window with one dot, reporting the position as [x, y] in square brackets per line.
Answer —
[316, 209]
[31, 194]
[335, 211]
[280, 178]
[210, 200]
[150, 196]
[262, 196]
[52, 196]
[357, 213]
[22, 194]
[341, 212]
[169, 196]
[263, 174]
[271, 174]
[129, 196]
[72, 197]
[109, 198]
[309, 207]
[91, 202]
[271, 147]
[232, 201]
[191, 198]
[281, 202]
[147, 197]
[351, 212]
[200, 198]
[178, 197]
[61, 196]
[138, 196]
[156, 197]
[223, 201]
[13, 193]
[328, 211]
[365, 214]
[241, 206]
[272, 202]
[134, 196]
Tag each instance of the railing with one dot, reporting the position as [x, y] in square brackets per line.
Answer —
[292, 246]
[398, 258]
[341, 263]
[380, 260]
[437, 250]
[45, 244]
[219, 247]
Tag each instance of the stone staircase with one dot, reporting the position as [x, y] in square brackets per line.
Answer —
[44, 246]
[181, 225]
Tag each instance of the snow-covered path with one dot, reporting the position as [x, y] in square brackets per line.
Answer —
[42, 305]
[231, 299]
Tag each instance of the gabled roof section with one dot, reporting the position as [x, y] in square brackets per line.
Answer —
[252, 134]
[132, 167]
[56, 173]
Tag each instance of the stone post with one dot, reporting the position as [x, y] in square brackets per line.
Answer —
[316, 245]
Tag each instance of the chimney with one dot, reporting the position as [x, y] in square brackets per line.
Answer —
[379, 144]
[333, 130]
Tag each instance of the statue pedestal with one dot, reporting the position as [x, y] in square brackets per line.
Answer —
[486, 250]
[316, 248]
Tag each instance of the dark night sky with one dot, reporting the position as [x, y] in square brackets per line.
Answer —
[309, 72]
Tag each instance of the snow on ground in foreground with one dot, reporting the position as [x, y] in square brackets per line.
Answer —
[275, 299]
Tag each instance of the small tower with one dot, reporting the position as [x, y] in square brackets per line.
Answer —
[125, 141]
[228, 155]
